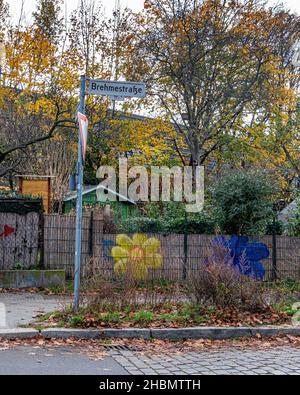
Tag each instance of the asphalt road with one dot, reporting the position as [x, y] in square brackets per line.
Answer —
[60, 361]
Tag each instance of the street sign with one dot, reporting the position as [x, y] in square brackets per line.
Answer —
[83, 127]
[117, 88]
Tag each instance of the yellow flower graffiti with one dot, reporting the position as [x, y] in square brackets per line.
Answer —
[136, 255]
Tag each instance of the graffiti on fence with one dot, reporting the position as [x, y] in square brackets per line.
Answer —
[137, 255]
[254, 252]
[8, 230]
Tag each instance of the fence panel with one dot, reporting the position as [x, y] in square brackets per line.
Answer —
[19, 240]
[287, 257]
[182, 254]
[59, 240]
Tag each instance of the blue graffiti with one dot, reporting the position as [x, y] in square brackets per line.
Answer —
[241, 249]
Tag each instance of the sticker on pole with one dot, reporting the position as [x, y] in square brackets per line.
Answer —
[83, 128]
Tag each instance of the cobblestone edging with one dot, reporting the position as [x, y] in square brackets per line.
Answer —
[213, 333]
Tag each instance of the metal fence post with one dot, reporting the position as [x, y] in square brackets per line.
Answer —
[274, 251]
[185, 250]
[91, 234]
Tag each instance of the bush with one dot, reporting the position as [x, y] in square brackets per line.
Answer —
[293, 224]
[242, 201]
[140, 224]
[168, 221]
[202, 224]
[277, 228]
[218, 283]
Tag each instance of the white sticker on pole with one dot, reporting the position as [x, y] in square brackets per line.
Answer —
[83, 128]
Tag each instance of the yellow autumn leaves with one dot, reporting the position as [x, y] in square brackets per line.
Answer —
[136, 255]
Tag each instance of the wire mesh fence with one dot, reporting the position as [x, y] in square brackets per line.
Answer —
[26, 241]
[180, 255]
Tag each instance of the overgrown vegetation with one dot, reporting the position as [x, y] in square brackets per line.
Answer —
[243, 202]
[220, 284]
[217, 294]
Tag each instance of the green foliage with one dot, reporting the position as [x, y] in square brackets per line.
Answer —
[285, 286]
[199, 225]
[12, 202]
[284, 307]
[277, 227]
[143, 316]
[242, 201]
[140, 224]
[111, 317]
[293, 225]
[76, 320]
[169, 218]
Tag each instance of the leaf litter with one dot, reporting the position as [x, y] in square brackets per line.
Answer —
[94, 349]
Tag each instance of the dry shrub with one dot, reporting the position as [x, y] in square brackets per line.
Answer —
[103, 288]
[219, 283]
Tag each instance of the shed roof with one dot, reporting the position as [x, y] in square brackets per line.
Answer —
[92, 188]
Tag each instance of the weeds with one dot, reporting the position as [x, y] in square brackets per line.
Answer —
[218, 283]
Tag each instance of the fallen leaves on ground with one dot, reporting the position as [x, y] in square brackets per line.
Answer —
[160, 318]
[94, 348]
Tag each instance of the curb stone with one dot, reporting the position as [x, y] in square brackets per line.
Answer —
[64, 333]
[18, 333]
[96, 333]
[213, 333]
[276, 331]
[138, 333]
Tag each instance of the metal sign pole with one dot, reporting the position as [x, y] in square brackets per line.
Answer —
[79, 202]
[118, 90]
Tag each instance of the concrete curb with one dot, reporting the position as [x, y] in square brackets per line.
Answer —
[96, 333]
[213, 333]
[222, 333]
[18, 333]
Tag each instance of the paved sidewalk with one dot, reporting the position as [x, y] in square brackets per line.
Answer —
[227, 361]
[275, 361]
[22, 308]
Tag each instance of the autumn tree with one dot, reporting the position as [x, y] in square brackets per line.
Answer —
[206, 63]
[32, 105]
[269, 135]
[86, 37]
[48, 18]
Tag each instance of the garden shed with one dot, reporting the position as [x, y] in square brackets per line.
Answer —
[122, 207]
